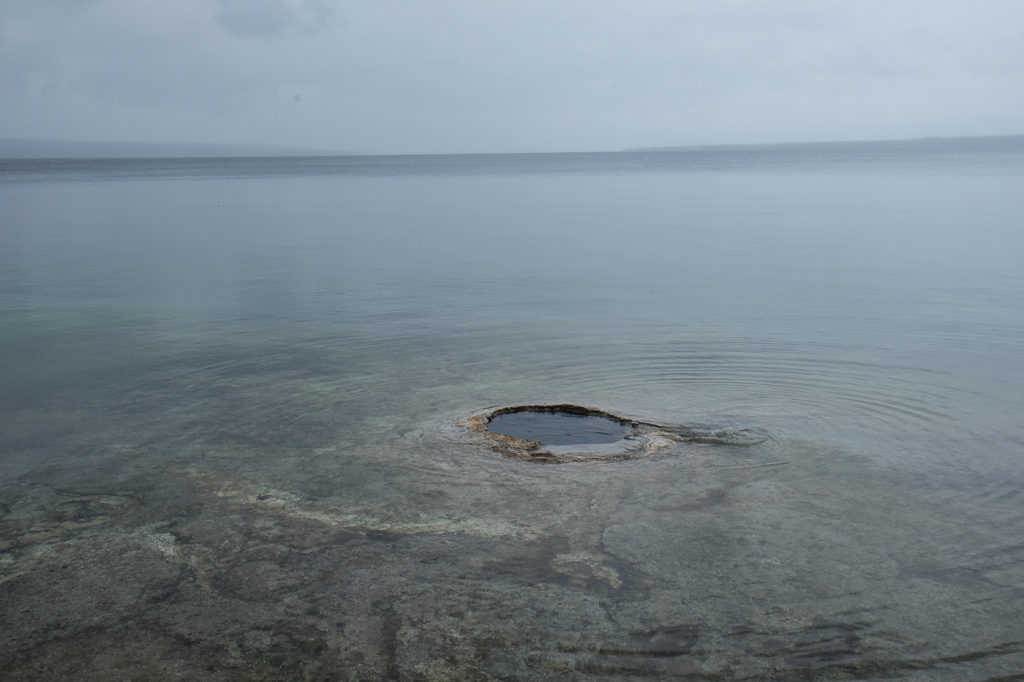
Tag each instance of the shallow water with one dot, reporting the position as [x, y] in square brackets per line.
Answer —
[232, 393]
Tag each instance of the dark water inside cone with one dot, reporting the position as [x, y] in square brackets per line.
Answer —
[558, 428]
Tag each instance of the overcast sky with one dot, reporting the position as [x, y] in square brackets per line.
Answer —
[421, 76]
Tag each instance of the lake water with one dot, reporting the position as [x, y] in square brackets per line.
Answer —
[231, 440]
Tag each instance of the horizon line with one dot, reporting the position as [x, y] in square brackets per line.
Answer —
[257, 150]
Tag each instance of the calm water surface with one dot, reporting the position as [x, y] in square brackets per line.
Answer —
[230, 441]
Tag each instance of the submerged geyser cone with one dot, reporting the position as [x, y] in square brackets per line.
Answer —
[573, 433]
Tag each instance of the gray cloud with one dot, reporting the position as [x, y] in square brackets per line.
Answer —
[274, 18]
[486, 75]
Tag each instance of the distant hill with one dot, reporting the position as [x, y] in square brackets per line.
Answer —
[1011, 139]
[73, 149]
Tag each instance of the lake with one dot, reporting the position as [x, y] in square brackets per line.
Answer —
[234, 396]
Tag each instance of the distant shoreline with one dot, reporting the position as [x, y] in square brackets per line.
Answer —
[832, 143]
[82, 149]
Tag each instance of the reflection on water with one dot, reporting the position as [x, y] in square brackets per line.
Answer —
[231, 438]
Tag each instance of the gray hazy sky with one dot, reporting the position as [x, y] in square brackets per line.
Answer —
[408, 76]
